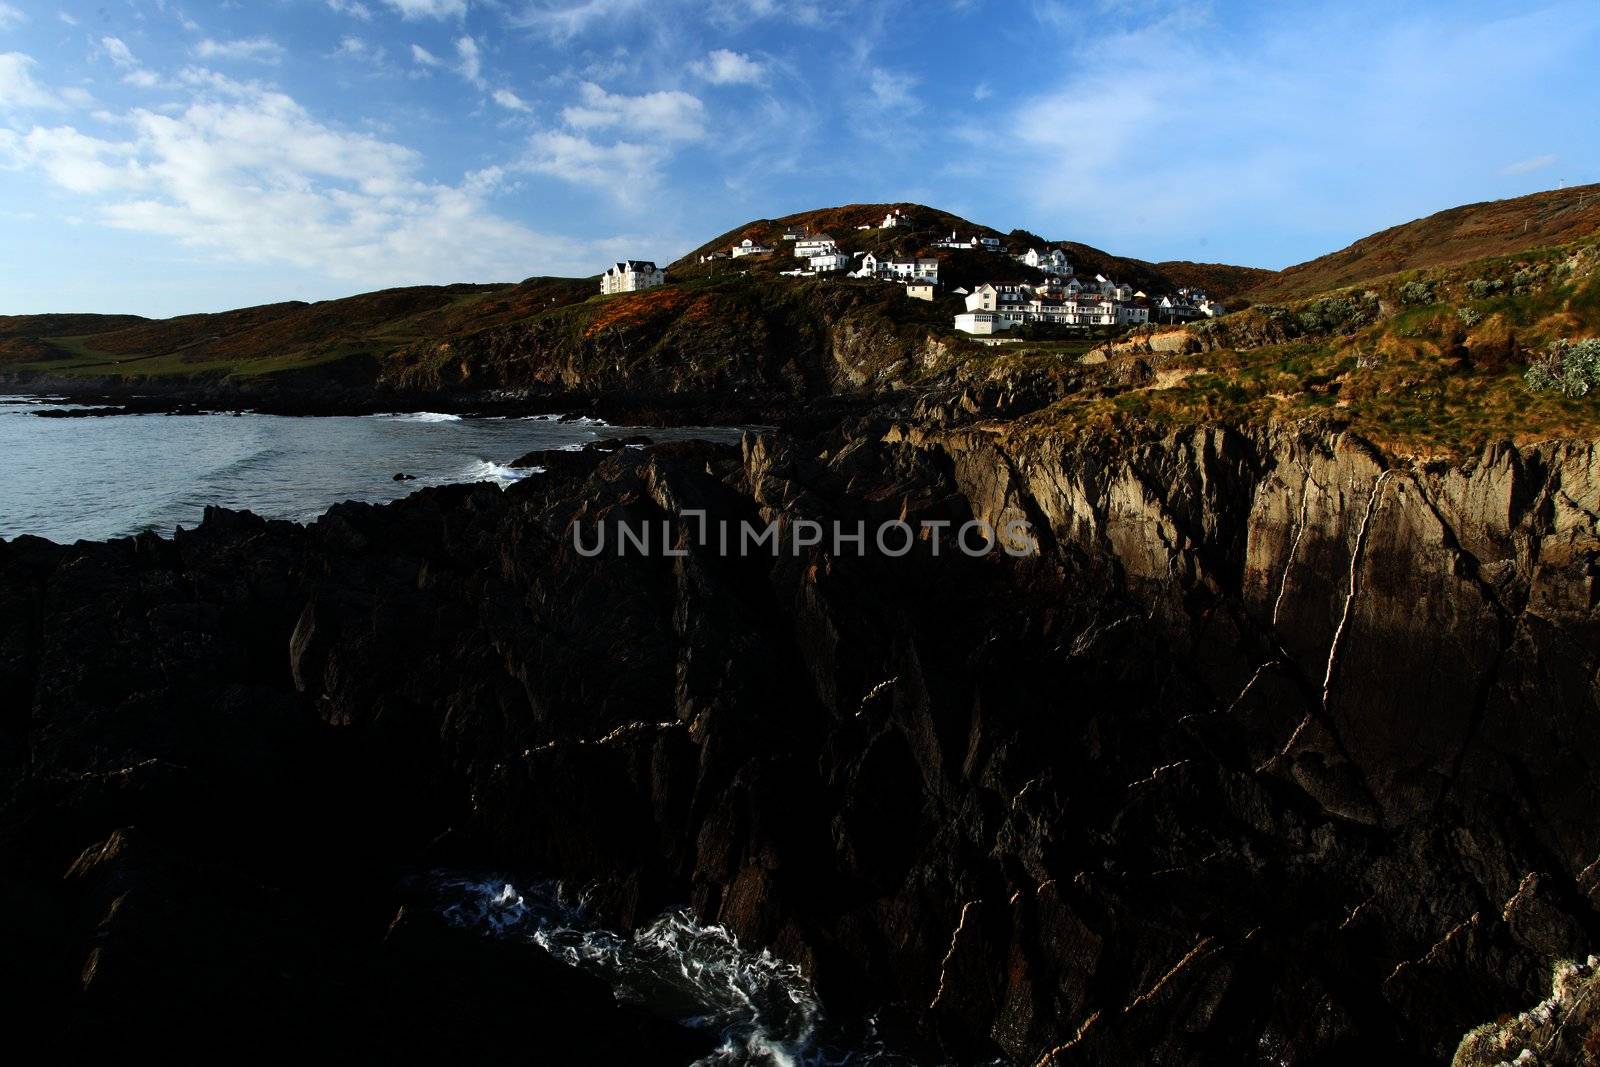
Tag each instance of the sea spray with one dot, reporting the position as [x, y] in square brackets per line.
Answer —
[763, 1009]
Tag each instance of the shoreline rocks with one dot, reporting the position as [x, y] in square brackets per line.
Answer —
[1278, 747]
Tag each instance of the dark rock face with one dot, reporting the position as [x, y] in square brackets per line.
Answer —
[1272, 753]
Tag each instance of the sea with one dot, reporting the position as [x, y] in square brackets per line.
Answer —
[102, 477]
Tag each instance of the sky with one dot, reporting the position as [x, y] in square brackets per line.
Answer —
[162, 157]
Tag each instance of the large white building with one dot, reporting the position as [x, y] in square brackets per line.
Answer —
[924, 268]
[631, 275]
[895, 218]
[828, 262]
[996, 307]
[819, 244]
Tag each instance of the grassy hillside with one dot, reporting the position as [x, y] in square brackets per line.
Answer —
[741, 337]
[1459, 235]
[272, 338]
[1428, 362]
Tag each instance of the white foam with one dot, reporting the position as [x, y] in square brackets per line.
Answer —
[761, 1007]
[420, 416]
[500, 474]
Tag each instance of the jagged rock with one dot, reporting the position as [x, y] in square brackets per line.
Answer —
[1275, 747]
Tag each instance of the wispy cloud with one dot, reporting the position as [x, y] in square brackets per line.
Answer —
[10, 16]
[726, 67]
[470, 60]
[565, 19]
[429, 9]
[1528, 166]
[19, 90]
[244, 49]
[669, 115]
[510, 100]
[624, 169]
[122, 57]
[354, 8]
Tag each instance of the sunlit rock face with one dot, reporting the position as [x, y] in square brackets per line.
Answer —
[1273, 749]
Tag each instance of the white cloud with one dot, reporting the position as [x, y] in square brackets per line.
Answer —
[18, 89]
[246, 173]
[623, 168]
[119, 53]
[425, 58]
[891, 90]
[725, 67]
[423, 9]
[564, 19]
[1528, 166]
[245, 49]
[75, 162]
[353, 8]
[670, 115]
[10, 16]
[510, 100]
[471, 60]
[811, 13]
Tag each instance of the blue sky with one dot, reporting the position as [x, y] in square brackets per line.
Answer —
[162, 157]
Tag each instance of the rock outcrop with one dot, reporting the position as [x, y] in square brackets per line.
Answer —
[1274, 750]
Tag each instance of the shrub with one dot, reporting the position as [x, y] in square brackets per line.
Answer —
[1338, 314]
[1416, 293]
[1482, 288]
[1469, 318]
[1571, 368]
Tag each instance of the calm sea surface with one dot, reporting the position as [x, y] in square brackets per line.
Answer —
[97, 478]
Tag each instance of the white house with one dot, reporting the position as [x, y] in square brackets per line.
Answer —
[981, 322]
[957, 242]
[1052, 262]
[712, 257]
[895, 218]
[990, 244]
[631, 275]
[793, 233]
[920, 290]
[991, 296]
[748, 247]
[816, 245]
[827, 262]
[925, 268]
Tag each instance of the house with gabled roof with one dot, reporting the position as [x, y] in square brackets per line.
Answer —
[631, 275]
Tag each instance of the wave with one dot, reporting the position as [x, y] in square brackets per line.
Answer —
[488, 471]
[581, 420]
[763, 1010]
[419, 416]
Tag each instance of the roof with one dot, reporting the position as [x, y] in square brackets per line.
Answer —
[626, 265]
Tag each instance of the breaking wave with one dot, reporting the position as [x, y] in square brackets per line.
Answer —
[761, 1008]
[420, 416]
[498, 473]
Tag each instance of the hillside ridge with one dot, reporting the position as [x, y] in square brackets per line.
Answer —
[1445, 238]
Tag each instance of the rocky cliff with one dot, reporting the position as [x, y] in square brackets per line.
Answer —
[1275, 751]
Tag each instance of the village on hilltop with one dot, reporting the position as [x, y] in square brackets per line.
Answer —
[1060, 298]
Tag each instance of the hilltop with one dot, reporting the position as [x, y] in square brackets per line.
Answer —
[1461, 234]
[928, 225]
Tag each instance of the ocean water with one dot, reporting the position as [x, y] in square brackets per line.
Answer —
[760, 1010]
[97, 478]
